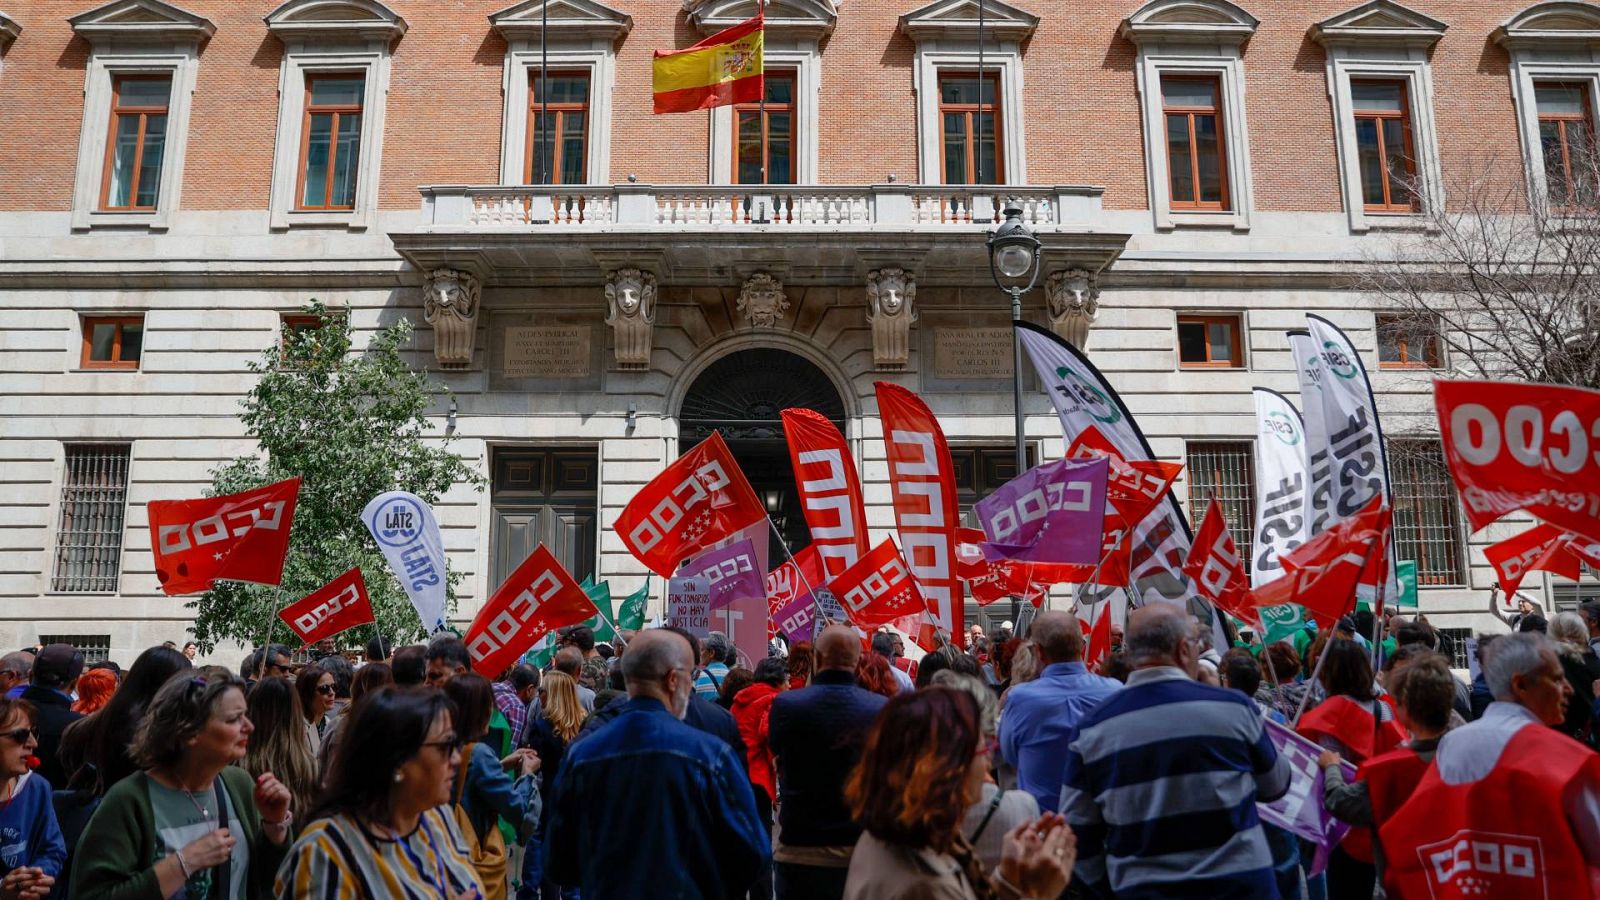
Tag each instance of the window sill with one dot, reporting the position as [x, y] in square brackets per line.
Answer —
[95, 370]
[155, 220]
[319, 218]
[1210, 367]
[1372, 220]
[1196, 219]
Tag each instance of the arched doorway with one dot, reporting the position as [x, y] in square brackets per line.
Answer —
[742, 395]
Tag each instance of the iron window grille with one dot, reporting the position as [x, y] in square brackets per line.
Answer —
[1224, 470]
[1426, 521]
[94, 494]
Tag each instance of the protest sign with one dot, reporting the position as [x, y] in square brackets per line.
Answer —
[408, 534]
[536, 599]
[1300, 810]
[237, 537]
[337, 606]
[689, 604]
[922, 480]
[1533, 447]
[699, 499]
[829, 488]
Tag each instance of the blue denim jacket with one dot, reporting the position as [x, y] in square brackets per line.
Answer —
[490, 793]
[651, 807]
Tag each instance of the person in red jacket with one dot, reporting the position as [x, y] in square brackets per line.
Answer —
[1510, 806]
[750, 708]
[1425, 692]
[1354, 723]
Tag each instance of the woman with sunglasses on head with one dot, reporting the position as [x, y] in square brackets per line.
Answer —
[384, 827]
[315, 687]
[32, 852]
[191, 824]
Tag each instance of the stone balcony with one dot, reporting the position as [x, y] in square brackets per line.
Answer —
[695, 234]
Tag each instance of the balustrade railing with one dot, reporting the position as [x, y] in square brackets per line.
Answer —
[809, 207]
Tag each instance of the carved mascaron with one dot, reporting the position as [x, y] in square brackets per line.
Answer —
[1074, 300]
[450, 304]
[762, 300]
[631, 313]
[891, 309]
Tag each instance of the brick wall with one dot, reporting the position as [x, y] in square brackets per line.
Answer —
[445, 105]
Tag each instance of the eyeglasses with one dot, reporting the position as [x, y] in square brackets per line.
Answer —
[325, 689]
[449, 745]
[21, 735]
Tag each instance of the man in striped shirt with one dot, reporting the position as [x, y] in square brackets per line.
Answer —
[1162, 779]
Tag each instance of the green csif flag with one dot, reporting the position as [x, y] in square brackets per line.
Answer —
[600, 596]
[630, 613]
[1281, 621]
[1405, 572]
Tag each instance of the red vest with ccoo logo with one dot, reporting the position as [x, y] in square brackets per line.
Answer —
[1391, 778]
[1350, 723]
[1505, 835]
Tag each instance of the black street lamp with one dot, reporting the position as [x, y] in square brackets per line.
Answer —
[1014, 264]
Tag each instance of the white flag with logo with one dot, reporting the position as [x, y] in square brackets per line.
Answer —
[1308, 365]
[1358, 465]
[1083, 398]
[1283, 485]
[408, 534]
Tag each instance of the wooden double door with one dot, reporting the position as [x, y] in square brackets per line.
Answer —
[548, 496]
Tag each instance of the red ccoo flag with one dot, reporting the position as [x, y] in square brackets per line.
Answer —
[701, 498]
[538, 598]
[337, 606]
[1321, 574]
[1543, 548]
[1099, 647]
[238, 537]
[1216, 569]
[878, 589]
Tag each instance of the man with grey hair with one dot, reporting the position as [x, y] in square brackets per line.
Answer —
[1041, 715]
[713, 665]
[680, 796]
[15, 670]
[1162, 779]
[1510, 805]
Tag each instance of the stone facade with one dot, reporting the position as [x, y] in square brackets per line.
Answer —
[491, 271]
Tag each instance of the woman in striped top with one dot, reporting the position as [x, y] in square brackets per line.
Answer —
[383, 829]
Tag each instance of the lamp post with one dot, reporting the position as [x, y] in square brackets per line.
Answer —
[1014, 265]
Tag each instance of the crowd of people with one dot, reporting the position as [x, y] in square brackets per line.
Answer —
[658, 765]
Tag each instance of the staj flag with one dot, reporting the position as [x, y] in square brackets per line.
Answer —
[538, 598]
[724, 69]
[237, 537]
[337, 606]
[699, 499]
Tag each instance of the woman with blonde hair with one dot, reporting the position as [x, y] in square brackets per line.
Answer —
[278, 744]
[560, 718]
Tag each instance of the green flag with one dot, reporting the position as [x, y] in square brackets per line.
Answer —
[540, 654]
[630, 613]
[600, 596]
[1282, 621]
[1405, 572]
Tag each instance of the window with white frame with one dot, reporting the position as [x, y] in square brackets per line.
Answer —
[332, 86]
[1191, 94]
[788, 137]
[561, 135]
[1554, 49]
[969, 109]
[142, 68]
[1380, 82]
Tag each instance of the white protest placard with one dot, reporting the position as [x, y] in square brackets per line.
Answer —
[689, 605]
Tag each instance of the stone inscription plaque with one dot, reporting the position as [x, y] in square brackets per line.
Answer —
[547, 351]
[965, 353]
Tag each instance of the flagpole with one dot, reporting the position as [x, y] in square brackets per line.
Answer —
[797, 570]
[273, 606]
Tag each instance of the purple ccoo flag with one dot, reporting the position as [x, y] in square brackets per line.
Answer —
[732, 572]
[1049, 514]
[1300, 810]
[797, 619]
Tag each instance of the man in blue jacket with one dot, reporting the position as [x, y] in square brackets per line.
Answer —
[649, 806]
[817, 733]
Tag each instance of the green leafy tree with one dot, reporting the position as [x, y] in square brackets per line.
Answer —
[351, 426]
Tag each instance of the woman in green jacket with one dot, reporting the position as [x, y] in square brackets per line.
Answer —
[190, 824]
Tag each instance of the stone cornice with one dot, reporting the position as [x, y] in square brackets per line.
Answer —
[1379, 23]
[569, 20]
[1189, 21]
[335, 20]
[141, 20]
[1555, 26]
[957, 21]
[807, 20]
[9, 30]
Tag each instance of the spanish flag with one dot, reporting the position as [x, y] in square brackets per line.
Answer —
[721, 70]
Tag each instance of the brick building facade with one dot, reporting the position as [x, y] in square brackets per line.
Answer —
[1201, 174]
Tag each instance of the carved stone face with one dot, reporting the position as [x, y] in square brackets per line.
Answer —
[890, 287]
[627, 297]
[447, 290]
